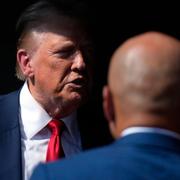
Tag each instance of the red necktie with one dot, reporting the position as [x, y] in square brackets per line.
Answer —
[55, 150]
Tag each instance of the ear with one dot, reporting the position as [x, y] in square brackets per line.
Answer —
[109, 111]
[24, 61]
[108, 105]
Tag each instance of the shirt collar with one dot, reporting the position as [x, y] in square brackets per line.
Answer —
[133, 130]
[34, 118]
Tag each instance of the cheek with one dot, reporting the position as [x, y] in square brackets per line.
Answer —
[60, 70]
[59, 66]
[51, 74]
[44, 76]
[44, 69]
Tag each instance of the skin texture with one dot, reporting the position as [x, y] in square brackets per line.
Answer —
[54, 65]
[144, 84]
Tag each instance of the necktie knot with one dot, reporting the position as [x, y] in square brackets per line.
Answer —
[55, 126]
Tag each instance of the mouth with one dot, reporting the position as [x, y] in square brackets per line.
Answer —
[78, 83]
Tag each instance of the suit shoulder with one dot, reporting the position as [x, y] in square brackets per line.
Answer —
[6, 97]
[116, 161]
[9, 110]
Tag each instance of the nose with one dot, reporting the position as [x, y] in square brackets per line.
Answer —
[78, 63]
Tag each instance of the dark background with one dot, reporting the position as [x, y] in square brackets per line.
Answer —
[110, 23]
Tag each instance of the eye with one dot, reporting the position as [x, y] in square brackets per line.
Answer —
[66, 52]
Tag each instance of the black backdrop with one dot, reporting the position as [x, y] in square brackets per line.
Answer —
[111, 22]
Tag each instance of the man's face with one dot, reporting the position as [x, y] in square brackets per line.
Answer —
[60, 77]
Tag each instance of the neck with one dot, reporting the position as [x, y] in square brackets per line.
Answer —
[147, 121]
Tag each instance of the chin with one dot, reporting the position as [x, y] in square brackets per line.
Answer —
[78, 98]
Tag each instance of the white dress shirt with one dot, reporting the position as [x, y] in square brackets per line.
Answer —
[35, 135]
[133, 130]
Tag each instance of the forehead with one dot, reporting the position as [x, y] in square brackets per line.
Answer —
[52, 39]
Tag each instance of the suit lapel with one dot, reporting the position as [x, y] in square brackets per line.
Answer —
[10, 139]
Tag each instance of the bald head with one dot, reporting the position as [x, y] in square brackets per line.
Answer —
[144, 75]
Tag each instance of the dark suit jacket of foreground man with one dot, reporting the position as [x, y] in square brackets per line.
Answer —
[139, 156]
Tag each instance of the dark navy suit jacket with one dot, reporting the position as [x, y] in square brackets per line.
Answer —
[140, 156]
[10, 140]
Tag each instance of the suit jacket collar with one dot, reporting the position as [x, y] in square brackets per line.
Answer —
[150, 139]
[10, 139]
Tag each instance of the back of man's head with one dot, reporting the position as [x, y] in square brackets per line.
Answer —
[144, 81]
